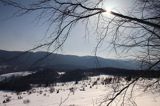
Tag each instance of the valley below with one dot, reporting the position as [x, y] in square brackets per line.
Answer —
[68, 80]
[90, 92]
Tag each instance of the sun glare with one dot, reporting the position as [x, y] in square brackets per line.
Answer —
[108, 11]
[109, 6]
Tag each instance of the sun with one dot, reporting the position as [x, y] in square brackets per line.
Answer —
[108, 11]
[108, 8]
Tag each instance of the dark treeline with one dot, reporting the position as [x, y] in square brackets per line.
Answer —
[47, 77]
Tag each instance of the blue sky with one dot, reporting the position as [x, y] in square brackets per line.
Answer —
[23, 33]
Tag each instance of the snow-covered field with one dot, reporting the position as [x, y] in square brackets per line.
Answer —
[15, 74]
[71, 94]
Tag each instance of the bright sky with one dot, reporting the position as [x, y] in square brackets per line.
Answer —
[23, 33]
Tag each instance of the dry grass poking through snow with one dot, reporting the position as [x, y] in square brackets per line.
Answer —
[89, 92]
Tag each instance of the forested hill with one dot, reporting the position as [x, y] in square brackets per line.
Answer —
[59, 61]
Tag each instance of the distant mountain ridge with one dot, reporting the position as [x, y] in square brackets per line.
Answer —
[59, 61]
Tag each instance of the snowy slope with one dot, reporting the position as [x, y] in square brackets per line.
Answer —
[14, 74]
[62, 95]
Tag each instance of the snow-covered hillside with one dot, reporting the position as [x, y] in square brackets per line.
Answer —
[14, 74]
[89, 92]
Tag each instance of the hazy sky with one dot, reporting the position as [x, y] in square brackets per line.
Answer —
[23, 33]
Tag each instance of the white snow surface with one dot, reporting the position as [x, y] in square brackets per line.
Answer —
[14, 74]
[42, 96]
